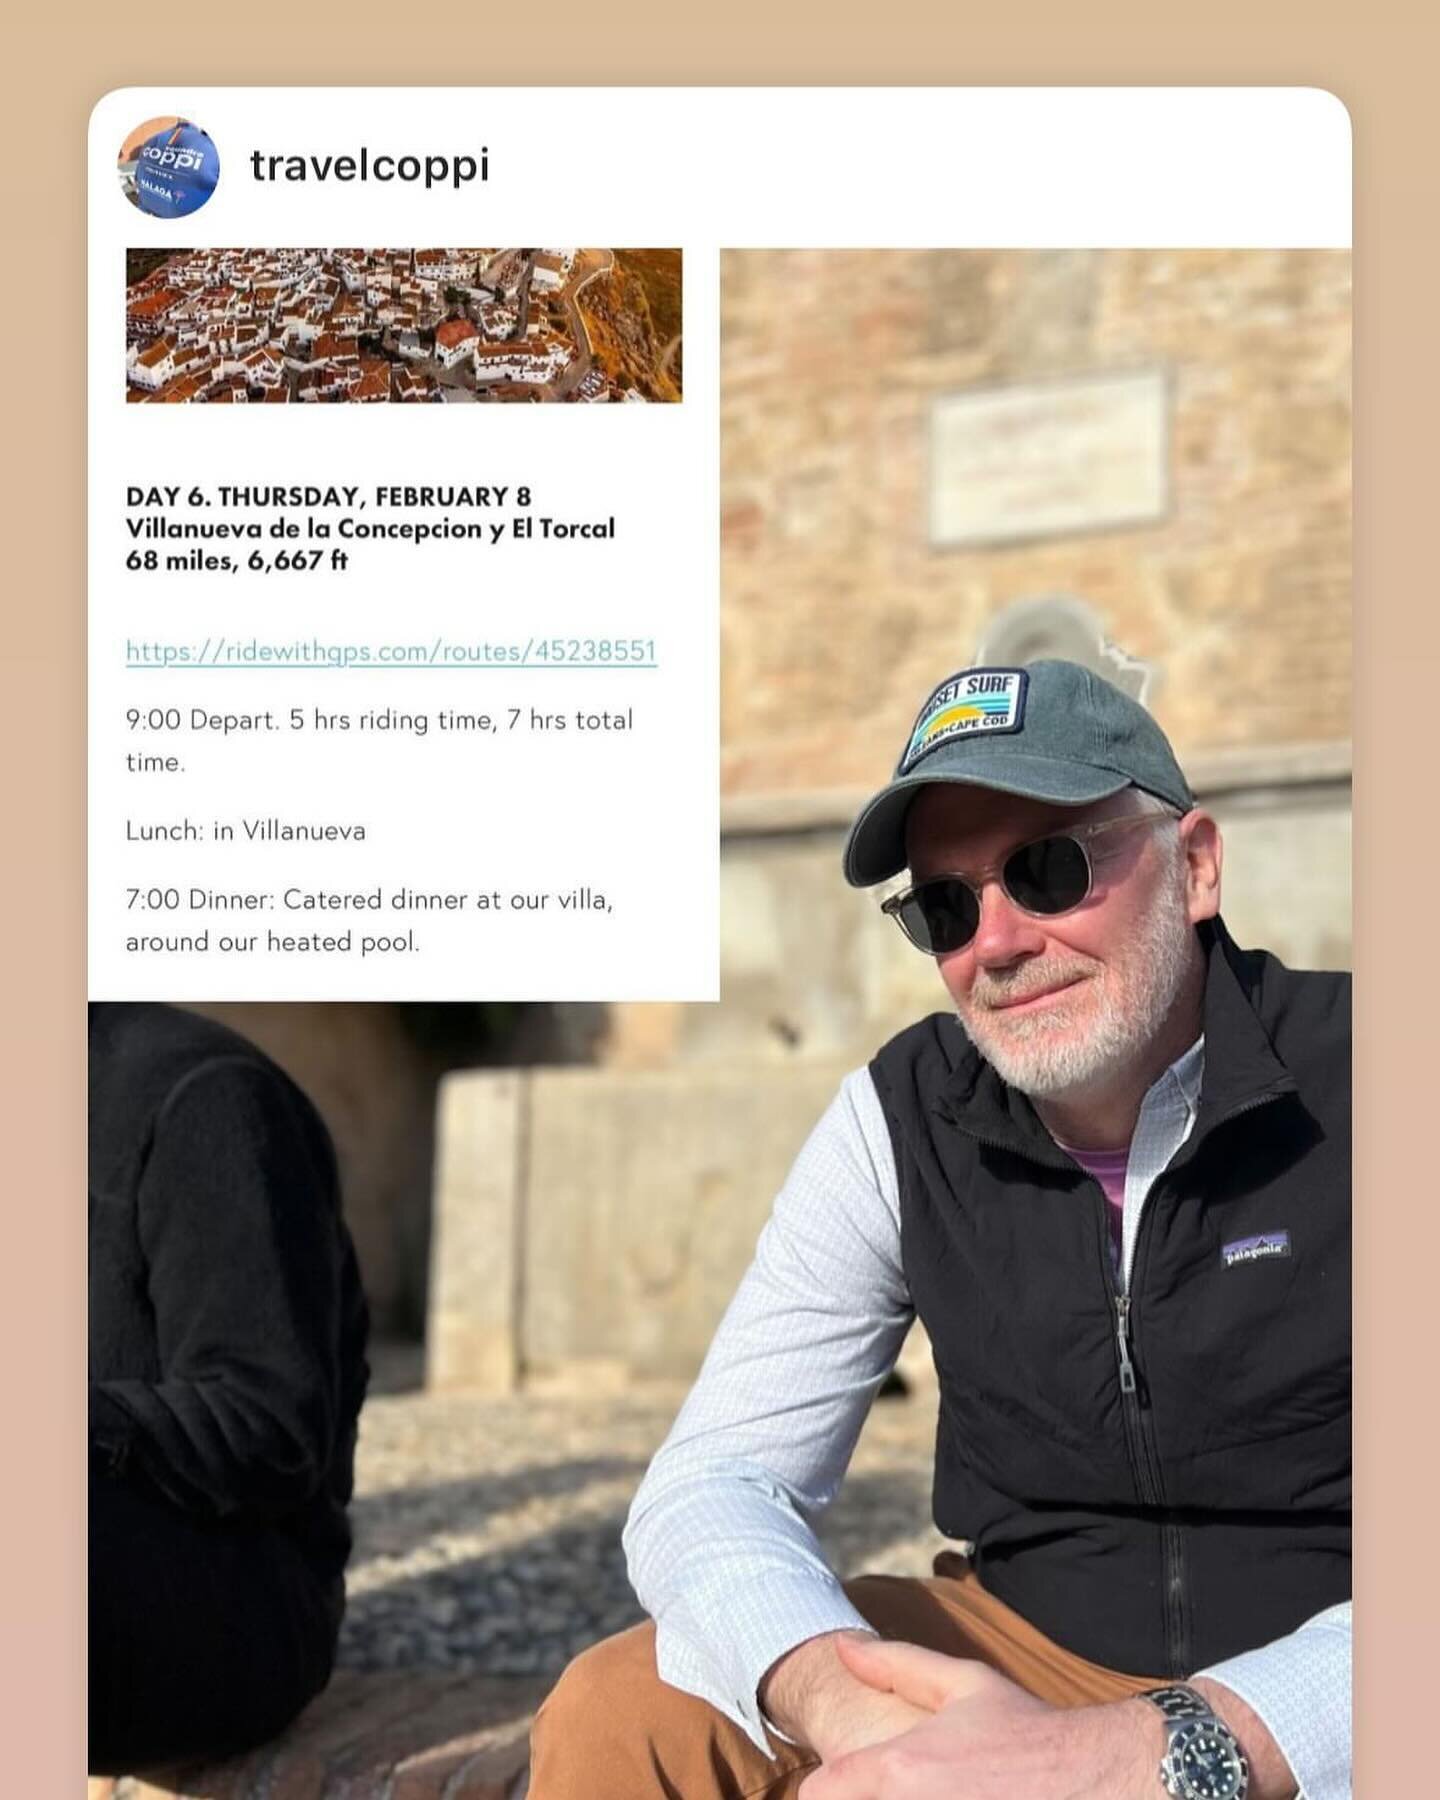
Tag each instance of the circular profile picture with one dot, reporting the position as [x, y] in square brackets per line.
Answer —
[168, 167]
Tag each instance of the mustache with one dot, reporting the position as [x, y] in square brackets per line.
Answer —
[990, 989]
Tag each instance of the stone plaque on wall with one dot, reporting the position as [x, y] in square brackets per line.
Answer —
[1046, 459]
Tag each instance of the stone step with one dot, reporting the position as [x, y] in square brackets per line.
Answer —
[402, 1736]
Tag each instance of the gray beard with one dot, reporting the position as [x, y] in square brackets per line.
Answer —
[1040, 1057]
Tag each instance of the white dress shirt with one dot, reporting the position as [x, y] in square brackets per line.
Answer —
[720, 1539]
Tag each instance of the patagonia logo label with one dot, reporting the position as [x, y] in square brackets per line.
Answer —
[1255, 1249]
[974, 703]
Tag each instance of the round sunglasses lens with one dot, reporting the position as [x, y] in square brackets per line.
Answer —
[941, 916]
[1050, 876]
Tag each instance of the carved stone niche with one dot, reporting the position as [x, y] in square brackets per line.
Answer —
[1056, 625]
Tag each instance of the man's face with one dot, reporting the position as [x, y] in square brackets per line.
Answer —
[1059, 1004]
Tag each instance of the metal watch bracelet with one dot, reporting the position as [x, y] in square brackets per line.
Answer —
[1203, 1759]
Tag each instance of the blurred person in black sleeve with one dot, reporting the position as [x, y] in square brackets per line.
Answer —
[227, 1368]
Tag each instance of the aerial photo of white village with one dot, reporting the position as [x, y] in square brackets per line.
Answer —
[233, 327]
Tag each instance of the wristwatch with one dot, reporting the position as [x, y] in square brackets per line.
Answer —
[1202, 1760]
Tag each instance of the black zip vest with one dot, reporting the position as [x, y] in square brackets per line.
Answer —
[1159, 1487]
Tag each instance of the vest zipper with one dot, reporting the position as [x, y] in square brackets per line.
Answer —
[1147, 1483]
[1122, 1343]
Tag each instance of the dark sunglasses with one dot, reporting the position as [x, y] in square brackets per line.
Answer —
[1050, 876]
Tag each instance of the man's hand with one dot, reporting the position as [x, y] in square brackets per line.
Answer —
[986, 1739]
[815, 1699]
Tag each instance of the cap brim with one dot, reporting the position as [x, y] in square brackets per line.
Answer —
[875, 849]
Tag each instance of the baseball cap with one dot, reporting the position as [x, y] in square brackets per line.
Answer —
[1051, 730]
[176, 171]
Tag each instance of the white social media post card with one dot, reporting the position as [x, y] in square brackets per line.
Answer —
[404, 549]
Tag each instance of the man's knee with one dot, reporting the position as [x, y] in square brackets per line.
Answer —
[613, 1666]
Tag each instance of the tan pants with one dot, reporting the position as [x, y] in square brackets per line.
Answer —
[612, 1730]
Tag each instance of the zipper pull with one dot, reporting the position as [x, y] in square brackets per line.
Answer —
[1122, 1343]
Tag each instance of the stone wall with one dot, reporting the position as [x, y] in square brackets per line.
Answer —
[591, 1224]
[840, 613]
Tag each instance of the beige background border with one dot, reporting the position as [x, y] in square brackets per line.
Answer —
[1378, 60]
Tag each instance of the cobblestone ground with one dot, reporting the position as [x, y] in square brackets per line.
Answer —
[487, 1532]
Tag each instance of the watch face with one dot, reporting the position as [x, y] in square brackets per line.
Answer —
[1208, 1763]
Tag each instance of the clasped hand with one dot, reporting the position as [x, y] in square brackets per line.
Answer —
[980, 1736]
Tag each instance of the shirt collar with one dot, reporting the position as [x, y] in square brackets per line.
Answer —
[1188, 1074]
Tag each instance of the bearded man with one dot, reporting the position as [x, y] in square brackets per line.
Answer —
[1113, 1183]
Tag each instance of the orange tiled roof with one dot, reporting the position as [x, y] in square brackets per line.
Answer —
[455, 331]
[152, 304]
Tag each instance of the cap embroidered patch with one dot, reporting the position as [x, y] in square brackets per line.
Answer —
[976, 701]
[1255, 1249]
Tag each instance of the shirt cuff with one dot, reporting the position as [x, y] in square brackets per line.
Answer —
[1299, 1687]
[766, 1619]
